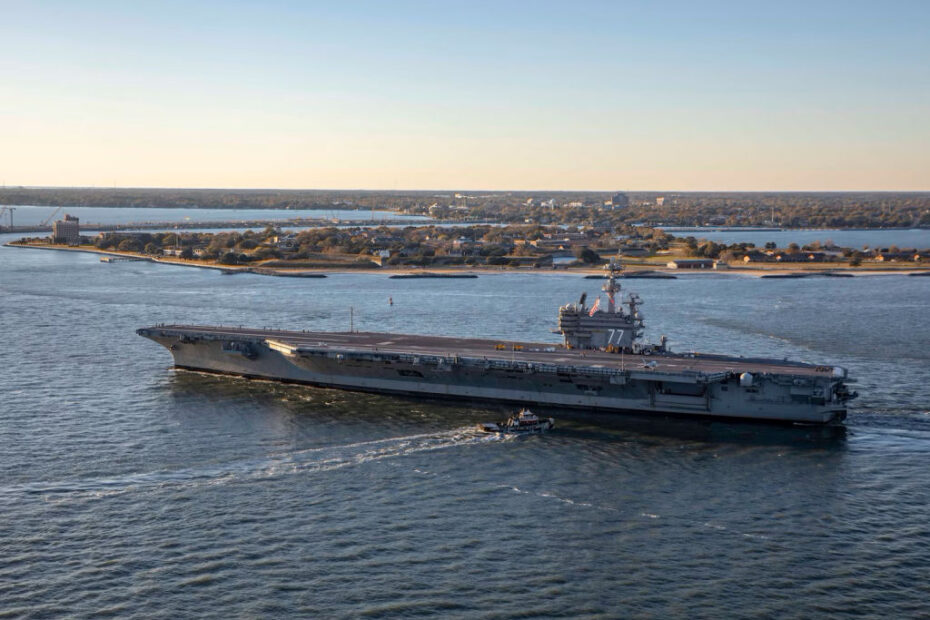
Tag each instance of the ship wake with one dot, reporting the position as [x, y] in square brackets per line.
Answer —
[302, 462]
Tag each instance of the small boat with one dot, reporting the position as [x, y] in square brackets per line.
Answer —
[525, 421]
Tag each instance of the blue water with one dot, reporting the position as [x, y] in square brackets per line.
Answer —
[129, 489]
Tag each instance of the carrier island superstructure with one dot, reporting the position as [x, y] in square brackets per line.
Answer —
[602, 365]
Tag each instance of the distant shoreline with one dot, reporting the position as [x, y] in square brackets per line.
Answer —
[803, 210]
[754, 271]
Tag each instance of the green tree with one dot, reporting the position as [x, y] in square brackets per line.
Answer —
[266, 253]
[587, 256]
[129, 245]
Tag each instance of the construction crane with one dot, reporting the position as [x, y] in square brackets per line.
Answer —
[52, 216]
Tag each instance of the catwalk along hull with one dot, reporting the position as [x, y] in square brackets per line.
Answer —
[525, 374]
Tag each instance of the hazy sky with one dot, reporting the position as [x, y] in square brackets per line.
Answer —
[696, 95]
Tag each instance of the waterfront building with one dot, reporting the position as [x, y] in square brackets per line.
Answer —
[693, 263]
[67, 231]
[633, 250]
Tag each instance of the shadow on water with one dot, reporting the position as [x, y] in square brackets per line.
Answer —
[618, 427]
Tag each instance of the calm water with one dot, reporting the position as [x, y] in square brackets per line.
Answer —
[853, 238]
[129, 489]
[29, 215]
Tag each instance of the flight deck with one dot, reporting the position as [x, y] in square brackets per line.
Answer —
[503, 350]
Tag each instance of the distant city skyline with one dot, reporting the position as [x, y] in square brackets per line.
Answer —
[534, 96]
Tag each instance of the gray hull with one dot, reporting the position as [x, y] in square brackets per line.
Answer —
[527, 375]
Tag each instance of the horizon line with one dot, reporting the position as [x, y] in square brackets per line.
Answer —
[472, 190]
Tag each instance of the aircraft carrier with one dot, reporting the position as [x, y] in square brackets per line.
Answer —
[601, 366]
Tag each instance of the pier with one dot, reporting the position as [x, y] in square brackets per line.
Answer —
[117, 259]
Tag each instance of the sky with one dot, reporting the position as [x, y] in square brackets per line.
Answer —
[572, 95]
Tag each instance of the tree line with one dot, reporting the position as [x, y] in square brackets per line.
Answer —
[782, 209]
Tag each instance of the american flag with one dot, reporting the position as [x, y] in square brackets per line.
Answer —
[597, 304]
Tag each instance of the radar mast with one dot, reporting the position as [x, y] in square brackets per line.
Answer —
[611, 287]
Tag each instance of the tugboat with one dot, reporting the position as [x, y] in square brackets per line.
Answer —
[525, 421]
